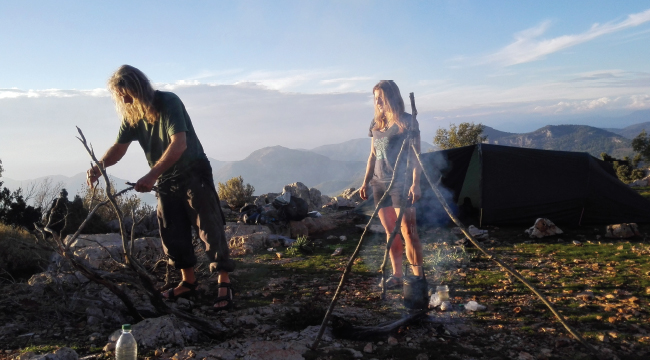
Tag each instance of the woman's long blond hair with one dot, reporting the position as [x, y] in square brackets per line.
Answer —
[133, 82]
[393, 105]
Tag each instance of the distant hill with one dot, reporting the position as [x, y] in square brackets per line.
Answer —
[216, 164]
[271, 168]
[566, 138]
[355, 150]
[75, 184]
[632, 131]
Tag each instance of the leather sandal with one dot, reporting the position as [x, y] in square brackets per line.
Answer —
[227, 298]
[187, 294]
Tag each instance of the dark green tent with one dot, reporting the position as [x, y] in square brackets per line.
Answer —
[511, 185]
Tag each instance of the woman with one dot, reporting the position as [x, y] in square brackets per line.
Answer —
[388, 130]
[187, 198]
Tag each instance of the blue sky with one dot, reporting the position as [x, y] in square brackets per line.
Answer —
[299, 73]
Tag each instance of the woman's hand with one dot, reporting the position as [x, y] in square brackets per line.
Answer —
[414, 193]
[363, 191]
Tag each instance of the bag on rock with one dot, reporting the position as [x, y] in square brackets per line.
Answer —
[295, 210]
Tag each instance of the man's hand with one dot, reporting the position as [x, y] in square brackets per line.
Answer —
[146, 183]
[92, 176]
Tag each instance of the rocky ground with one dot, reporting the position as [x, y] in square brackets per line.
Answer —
[600, 285]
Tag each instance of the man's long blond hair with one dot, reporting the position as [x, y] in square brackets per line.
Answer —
[393, 105]
[133, 82]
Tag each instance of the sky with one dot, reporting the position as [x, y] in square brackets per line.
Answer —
[300, 73]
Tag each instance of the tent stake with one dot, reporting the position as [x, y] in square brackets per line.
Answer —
[508, 269]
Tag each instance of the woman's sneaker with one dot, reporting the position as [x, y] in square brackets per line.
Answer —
[392, 282]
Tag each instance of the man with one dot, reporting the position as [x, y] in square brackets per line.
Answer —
[187, 197]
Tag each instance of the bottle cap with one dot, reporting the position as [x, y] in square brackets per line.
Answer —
[126, 327]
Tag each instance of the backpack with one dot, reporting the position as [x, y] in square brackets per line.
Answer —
[295, 210]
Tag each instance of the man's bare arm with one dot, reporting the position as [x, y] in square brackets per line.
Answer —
[174, 151]
[111, 157]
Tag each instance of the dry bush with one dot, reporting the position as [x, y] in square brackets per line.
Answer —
[20, 254]
[235, 192]
[127, 203]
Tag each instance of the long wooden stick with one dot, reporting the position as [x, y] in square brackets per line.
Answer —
[507, 268]
[348, 268]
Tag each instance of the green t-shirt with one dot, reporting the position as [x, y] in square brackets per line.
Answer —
[154, 139]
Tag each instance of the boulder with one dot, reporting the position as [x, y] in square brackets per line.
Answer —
[161, 331]
[321, 224]
[343, 202]
[298, 228]
[99, 250]
[63, 353]
[315, 199]
[298, 190]
[641, 182]
[237, 229]
[250, 243]
[543, 227]
[352, 194]
[265, 199]
[622, 231]
[324, 200]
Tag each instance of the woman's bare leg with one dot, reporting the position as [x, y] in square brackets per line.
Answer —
[388, 217]
[412, 240]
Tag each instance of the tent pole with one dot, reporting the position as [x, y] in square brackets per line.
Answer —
[507, 268]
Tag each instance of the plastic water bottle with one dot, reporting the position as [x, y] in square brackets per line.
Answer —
[126, 347]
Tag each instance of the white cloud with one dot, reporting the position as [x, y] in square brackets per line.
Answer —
[527, 47]
[17, 93]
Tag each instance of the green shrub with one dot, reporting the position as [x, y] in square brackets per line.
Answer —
[235, 192]
[301, 246]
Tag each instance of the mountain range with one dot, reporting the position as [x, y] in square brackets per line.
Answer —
[336, 167]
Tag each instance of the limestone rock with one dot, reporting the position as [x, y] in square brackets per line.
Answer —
[100, 256]
[543, 227]
[622, 231]
[235, 229]
[253, 242]
[321, 224]
[299, 190]
[63, 353]
[352, 194]
[315, 199]
[265, 199]
[156, 332]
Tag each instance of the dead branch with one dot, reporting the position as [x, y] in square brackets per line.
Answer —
[146, 281]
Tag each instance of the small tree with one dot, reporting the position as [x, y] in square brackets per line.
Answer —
[626, 170]
[463, 135]
[14, 209]
[641, 144]
[235, 192]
